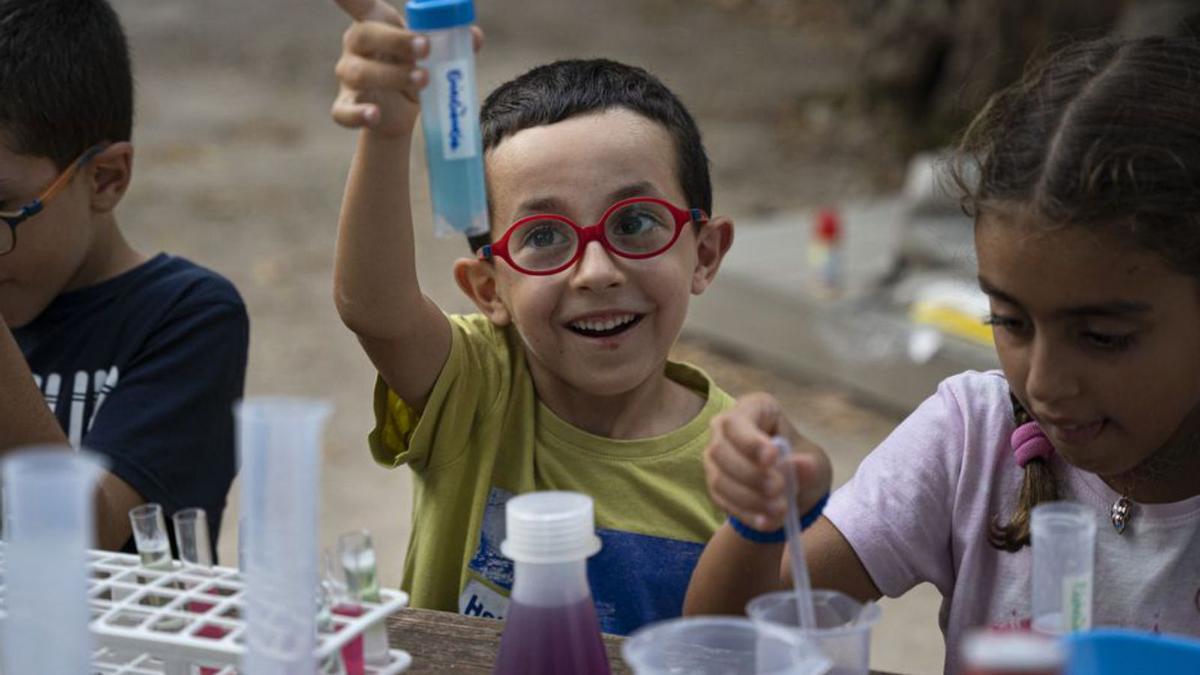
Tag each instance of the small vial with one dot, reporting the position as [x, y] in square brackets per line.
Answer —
[191, 538]
[334, 664]
[150, 536]
[450, 116]
[334, 586]
[1063, 536]
[357, 555]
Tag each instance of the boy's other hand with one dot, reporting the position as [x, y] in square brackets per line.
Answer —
[379, 82]
[740, 464]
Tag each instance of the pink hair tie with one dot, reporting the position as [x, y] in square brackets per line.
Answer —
[1029, 442]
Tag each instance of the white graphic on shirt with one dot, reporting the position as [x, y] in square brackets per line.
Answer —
[104, 382]
[86, 387]
[53, 384]
[78, 399]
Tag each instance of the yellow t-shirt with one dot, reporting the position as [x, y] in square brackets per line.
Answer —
[483, 437]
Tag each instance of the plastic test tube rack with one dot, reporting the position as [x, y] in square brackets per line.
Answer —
[161, 622]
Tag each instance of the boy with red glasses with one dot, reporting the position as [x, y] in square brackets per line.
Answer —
[136, 358]
[598, 198]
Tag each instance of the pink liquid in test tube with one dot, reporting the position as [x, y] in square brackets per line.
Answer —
[352, 653]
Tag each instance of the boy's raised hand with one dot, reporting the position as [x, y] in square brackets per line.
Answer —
[378, 79]
[379, 83]
[740, 463]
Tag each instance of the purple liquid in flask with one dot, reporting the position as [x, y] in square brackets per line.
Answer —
[550, 627]
[552, 640]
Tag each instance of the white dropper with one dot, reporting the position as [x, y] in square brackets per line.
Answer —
[801, 584]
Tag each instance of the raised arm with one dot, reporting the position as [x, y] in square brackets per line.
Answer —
[376, 290]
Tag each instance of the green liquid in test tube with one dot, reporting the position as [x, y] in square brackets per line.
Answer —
[358, 563]
[357, 554]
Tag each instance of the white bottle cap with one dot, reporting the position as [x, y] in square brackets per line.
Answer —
[549, 527]
[1012, 651]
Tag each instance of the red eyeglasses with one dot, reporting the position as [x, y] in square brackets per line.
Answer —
[637, 228]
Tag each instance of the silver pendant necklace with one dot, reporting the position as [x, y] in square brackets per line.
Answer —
[1121, 513]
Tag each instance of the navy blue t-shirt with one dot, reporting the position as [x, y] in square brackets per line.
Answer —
[144, 368]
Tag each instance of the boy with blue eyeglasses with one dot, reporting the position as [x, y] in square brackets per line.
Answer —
[599, 200]
[136, 358]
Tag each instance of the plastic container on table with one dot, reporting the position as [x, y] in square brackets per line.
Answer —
[1011, 652]
[1114, 651]
[1063, 538]
[279, 443]
[450, 116]
[720, 645]
[151, 621]
[49, 494]
[843, 631]
[550, 626]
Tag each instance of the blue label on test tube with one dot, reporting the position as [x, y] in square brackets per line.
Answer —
[450, 116]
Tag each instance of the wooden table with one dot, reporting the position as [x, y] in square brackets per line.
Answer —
[445, 642]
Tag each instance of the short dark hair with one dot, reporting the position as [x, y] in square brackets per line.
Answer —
[66, 74]
[564, 89]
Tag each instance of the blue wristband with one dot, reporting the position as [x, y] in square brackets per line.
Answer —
[809, 518]
[778, 536]
[750, 534]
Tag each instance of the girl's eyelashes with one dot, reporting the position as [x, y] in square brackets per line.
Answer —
[1108, 341]
[1004, 322]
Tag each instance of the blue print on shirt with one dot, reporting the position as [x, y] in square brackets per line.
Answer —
[638, 579]
[488, 562]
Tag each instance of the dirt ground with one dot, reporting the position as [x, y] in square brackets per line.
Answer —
[239, 168]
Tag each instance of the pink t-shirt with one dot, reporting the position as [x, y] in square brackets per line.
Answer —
[919, 506]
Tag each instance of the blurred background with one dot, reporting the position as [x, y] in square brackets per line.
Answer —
[824, 120]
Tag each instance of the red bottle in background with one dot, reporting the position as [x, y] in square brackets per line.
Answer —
[825, 253]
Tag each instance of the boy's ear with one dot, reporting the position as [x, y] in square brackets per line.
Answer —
[112, 170]
[712, 243]
[477, 279]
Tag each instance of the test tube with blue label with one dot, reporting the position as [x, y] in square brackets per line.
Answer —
[450, 116]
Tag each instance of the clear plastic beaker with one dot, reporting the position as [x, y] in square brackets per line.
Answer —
[843, 631]
[279, 443]
[191, 538]
[721, 645]
[49, 492]
[150, 536]
[1064, 551]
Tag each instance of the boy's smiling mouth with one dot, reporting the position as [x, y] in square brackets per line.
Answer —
[604, 325]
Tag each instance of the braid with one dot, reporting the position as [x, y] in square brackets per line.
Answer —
[1038, 486]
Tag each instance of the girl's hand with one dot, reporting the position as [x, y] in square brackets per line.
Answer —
[740, 463]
